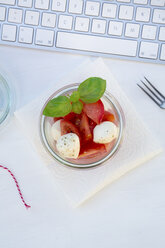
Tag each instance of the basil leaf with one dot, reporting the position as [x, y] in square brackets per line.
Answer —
[75, 96]
[77, 107]
[92, 89]
[58, 107]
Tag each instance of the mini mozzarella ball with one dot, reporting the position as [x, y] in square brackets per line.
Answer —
[105, 132]
[68, 145]
[56, 130]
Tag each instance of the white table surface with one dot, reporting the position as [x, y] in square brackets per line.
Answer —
[128, 213]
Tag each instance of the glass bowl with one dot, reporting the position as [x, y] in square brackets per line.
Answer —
[110, 103]
[7, 99]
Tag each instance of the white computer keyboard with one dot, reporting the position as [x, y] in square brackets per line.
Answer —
[129, 29]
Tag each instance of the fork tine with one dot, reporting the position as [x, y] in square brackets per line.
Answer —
[151, 91]
[155, 88]
[149, 95]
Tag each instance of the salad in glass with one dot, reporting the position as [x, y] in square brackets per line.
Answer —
[81, 125]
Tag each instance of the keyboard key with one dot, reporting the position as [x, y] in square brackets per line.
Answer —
[32, 17]
[42, 4]
[124, 1]
[65, 22]
[59, 5]
[8, 2]
[132, 30]
[82, 24]
[25, 3]
[142, 14]
[75, 6]
[98, 26]
[115, 28]
[162, 54]
[109, 10]
[15, 15]
[159, 16]
[126, 12]
[25, 35]
[162, 34]
[48, 20]
[9, 32]
[44, 37]
[148, 50]
[160, 3]
[2, 13]
[96, 44]
[149, 32]
[140, 2]
[92, 8]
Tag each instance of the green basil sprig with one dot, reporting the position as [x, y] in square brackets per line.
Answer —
[89, 91]
[92, 89]
[57, 107]
[75, 96]
[77, 107]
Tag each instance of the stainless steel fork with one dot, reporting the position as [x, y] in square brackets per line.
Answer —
[153, 93]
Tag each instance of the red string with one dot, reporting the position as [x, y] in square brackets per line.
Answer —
[16, 182]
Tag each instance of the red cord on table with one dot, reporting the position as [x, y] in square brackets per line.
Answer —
[16, 182]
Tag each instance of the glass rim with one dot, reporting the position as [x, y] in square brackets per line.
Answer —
[45, 143]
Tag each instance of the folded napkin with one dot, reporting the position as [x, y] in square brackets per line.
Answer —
[137, 147]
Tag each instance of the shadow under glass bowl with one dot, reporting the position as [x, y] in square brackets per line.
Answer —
[110, 103]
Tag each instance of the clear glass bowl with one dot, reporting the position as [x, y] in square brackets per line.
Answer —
[7, 99]
[110, 103]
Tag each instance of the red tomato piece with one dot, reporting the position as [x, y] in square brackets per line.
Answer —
[77, 120]
[68, 127]
[74, 118]
[84, 128]
[95, 111]
[70, 116]
[108, 116]
[57, 118]
[92, 125]
[91, 148]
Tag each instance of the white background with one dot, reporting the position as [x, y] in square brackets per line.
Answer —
[130, 213]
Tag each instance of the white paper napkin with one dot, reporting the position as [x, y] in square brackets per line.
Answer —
[137, 147]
